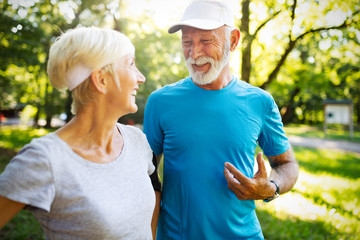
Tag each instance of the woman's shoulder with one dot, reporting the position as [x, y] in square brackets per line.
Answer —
[133, 135]
[131, 130]
[43, 143]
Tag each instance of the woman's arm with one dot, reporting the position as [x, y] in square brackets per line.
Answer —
[8, 210]
[155, 218]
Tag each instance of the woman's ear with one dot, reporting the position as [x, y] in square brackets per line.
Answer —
[98, 78]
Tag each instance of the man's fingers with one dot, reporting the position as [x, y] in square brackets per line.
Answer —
[229, 176]
[235, 172]
[261, 162]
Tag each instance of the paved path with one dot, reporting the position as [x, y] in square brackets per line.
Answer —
[324, 143]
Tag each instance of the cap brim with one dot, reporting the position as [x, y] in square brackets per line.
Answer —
[196, 23]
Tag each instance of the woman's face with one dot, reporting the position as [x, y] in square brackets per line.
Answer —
[130, 78]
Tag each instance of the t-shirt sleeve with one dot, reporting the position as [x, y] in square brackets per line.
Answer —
[151, 167]
[152, 127]
[273, 140]
[28, 178]
[148, 152]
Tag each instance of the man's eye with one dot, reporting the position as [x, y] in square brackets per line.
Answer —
[206, 41]
[186, 42]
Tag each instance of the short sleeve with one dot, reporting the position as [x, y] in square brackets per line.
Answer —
[151, 167]
[140, 140]
[28, 178]
[273, 140]
[148, 154]
[152, 127]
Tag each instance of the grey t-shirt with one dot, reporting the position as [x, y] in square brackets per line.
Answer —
[77, 199]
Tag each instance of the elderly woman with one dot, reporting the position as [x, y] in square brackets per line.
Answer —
[90, 178]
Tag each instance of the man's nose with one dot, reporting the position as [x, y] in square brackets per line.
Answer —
[196, 51]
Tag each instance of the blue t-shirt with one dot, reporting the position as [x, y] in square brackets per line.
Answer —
[199, 130]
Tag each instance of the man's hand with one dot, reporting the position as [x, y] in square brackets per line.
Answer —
[258, 187]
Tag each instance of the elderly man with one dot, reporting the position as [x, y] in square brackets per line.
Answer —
[207, 126]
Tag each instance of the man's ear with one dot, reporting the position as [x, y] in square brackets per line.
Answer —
[98, 79]
[234, 39]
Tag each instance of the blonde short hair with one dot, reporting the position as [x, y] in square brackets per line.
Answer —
[78, 52]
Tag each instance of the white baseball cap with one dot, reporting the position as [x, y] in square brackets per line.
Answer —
[206, 15]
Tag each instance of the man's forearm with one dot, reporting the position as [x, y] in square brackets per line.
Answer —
[285, 170]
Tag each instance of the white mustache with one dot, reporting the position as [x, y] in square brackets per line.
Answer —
[200, 60]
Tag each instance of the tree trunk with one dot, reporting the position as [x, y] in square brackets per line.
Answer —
[288, 111]
[48, 102]
[246, 42]
[246, 60]
[37, 116]
[357, 108]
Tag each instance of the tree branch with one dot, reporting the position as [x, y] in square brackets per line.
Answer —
[293, 7]
[76, 20]
[264, 23]
[292, 44]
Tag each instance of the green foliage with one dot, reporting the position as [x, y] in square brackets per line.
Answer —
[19, 42]
[324, 60]
[20, 54]
[158, 57]
[28, 28]
[312, 76]
[35, 25]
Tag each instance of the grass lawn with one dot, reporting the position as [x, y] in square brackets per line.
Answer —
[324, 204]
[334, 132]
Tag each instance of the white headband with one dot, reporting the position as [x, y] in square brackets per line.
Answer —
[80, 73]
[77, 75]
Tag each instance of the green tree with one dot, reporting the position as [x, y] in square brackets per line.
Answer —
[29, 29]
[277, 31]
[20, 58]
[159, 58]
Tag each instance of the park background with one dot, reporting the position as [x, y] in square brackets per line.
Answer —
[302, 51]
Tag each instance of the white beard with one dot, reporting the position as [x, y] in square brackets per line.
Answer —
[203, 78]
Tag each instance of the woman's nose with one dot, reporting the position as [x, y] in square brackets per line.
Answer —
[141, 78]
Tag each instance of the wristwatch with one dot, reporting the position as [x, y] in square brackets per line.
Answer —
[276, 194]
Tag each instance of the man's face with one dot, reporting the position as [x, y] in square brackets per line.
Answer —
[206, 52]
